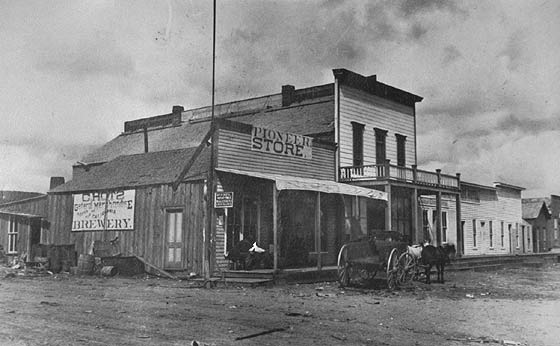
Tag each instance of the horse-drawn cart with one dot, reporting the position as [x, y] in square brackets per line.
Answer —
[363, 258]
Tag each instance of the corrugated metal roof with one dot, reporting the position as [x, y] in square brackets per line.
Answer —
[284, 182]
[129, 171]
[532, 208]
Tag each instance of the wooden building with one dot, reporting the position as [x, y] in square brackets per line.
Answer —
[537, 214]
[21, 222]
[299, 172]
[492, 222]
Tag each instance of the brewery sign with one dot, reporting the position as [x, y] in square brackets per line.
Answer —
[103, 211]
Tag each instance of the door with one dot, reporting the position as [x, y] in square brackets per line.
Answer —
[174, 241]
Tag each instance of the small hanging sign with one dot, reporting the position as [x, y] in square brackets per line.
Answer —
[223, 200]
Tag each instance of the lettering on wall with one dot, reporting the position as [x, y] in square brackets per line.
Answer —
[98, 211]
[281, 143]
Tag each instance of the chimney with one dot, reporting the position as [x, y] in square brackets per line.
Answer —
[177, 109]
[56, 181]
[288, 95]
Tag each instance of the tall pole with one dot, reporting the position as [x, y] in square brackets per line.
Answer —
[209, 238]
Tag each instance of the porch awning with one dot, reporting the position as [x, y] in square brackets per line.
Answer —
[26, 215]
[285, 182]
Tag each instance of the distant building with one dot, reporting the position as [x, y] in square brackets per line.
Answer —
[543, 213]
[491, 220]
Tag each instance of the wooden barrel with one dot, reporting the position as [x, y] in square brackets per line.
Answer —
[85, 264]
[109, 271]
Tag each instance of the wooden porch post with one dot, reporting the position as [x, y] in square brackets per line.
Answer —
[415, 216]
[388, 215]
[318, 229]
[438, 218]
[460, 232]
[275, 226]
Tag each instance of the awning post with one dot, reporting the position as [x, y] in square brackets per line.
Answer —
[275, 226]
[318, 229]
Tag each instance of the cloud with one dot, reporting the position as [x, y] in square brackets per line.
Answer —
[488, 72]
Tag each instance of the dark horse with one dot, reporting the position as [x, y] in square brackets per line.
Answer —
[437, 256]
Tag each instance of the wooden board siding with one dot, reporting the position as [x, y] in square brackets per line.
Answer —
[234, 152]
[449, 206]
[495, 207]
[23, 228]
[374, 112]
[148, 237]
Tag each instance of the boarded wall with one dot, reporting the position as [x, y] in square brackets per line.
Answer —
[148, 238]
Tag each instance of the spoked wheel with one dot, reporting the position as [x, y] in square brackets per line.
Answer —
[407, 268]
[344, 268]
[393, 269]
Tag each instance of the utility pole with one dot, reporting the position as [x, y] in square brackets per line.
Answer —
[211, 186]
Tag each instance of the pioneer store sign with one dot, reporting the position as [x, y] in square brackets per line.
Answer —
[281, 143]
[98, 211]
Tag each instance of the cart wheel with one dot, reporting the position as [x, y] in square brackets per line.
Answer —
[343, 267]
[407, 268]
[392, 269]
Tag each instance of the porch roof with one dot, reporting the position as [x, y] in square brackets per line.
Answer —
[26, 215]
[285, 182]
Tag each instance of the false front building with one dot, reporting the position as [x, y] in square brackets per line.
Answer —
[300, 173]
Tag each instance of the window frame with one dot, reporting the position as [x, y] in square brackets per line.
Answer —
[380, 146]
[474, 233]
[357, 144]
[13, 235]
[401, 150]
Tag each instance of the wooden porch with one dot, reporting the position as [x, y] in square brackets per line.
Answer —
[388, 171]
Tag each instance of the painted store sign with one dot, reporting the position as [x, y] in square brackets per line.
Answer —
[281, 143]
[99, 211]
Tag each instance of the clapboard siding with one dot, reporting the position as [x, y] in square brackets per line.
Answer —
[498, 207]
[148, 237]
[374, 112]
[234, 152]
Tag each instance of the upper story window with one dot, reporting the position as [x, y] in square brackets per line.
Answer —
[357, 144]
[401, 150]
[380, 146]
[468, 194]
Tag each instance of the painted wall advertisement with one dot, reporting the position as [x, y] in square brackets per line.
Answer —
[281, 143]
[100, 211]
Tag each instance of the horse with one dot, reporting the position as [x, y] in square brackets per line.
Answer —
[438, 256]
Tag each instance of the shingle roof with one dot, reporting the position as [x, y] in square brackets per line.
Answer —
[532, 208]
[129, 171]
[159, 139]
[306, 118]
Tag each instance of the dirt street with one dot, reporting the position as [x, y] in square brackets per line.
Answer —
[510, 306]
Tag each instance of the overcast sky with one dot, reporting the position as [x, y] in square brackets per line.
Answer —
[489, 71]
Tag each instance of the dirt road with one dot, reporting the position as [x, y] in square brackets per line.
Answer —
[513, 306]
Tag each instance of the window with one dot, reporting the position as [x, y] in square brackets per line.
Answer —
[502, 235]
[555, 228]
[474, 233]
[401, 150]
[491, 234]
[544, 236]
[357, 144]
[12, 235]
[529, 246]
[380, 146]
[444, 226]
